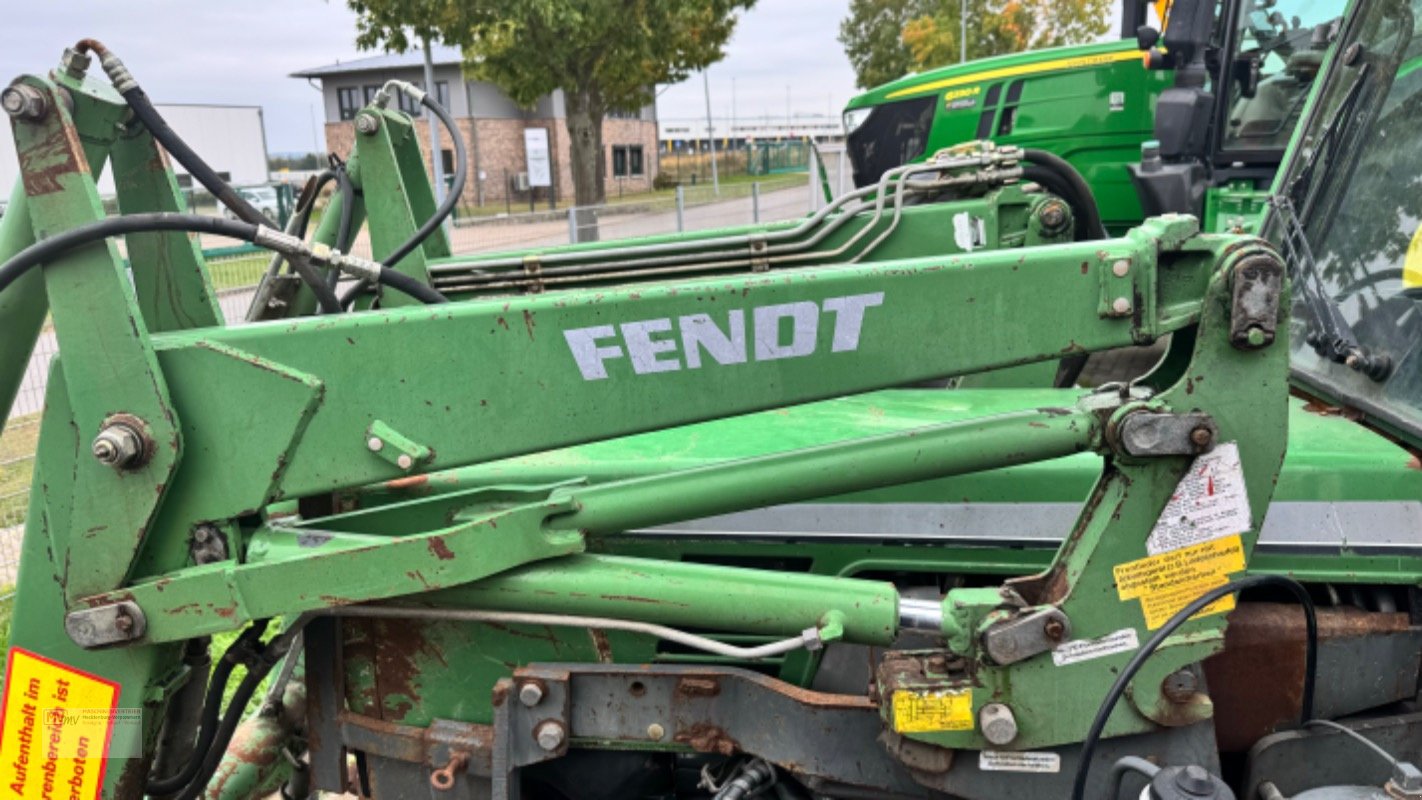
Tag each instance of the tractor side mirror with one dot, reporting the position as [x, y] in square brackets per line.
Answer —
[1147, 37]
[1245, 72]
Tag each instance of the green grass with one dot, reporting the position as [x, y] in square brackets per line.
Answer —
[17, 448]
[234, 273]
[7, 609]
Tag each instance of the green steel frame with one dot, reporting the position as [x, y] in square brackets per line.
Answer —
[244, 420]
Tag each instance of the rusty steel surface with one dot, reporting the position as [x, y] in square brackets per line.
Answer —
[1256, 684]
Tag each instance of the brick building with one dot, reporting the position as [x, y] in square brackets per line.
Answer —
[492, 126]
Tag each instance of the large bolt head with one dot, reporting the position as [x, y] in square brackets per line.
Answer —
[998, 724]
[366, 124]
[550, 735]
[118, 446]
[24, 102]
[530, 694]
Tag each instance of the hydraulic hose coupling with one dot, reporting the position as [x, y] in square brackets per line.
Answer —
[415, 93]
[118, 74]
[294, 247]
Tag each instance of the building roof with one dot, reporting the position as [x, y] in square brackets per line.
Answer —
[441, 55]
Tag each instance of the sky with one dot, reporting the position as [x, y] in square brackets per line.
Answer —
[240, 53]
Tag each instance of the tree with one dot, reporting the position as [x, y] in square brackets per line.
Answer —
[606, 55]
[887, 39]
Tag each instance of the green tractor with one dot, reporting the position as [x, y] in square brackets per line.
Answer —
[657, 520]
[1192, 120]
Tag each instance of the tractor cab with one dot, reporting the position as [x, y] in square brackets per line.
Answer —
[1200, 129]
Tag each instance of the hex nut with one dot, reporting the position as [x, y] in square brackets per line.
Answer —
[1121, 305]
[25, 102]
[366, 124]
[997, 723]
[74, 63]
[530, 694]
[550, 735]
[375, 444]
[1121, 268]
[655, 732]
[119, 445]
[404, 461]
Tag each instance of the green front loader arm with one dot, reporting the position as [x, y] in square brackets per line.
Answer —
[239, 419]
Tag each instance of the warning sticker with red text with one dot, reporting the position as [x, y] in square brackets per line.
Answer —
[55, 728]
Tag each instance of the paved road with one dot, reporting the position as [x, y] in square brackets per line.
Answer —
[485, 236]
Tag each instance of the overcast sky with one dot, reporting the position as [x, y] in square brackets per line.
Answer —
[203, 51]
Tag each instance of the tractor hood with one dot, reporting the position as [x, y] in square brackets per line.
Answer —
[1056, 59]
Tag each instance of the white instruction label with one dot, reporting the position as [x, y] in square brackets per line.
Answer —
[1003, 761]
[1209, 503]
[1122, 641]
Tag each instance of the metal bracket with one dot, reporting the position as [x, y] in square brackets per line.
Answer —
[1145, 433]
[1258, 283]
[103, 625]
[1031, 633]
[391, 445]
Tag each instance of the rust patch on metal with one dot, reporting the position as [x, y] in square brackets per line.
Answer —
[1414, 463]
[707, 738]
[698, 687]
[408, 483]
[403, 654]
[440, 549]
[56, 155]
[528, 323]
[1257, 682]
[601, 646]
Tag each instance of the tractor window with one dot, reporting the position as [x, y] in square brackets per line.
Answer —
[1355, 184]
[1280, 46]
[894, 134]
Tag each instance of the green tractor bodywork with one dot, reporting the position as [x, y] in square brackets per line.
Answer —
[1091, 104]
[1096, 106]
[628, 511]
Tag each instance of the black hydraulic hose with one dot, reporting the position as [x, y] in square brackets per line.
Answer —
[143, 108]
[212, 705]
[223, 191]
[1093, 734]
[451, 199]
[1071, 177]
[51, 248]
[211, 756]
[344, 233]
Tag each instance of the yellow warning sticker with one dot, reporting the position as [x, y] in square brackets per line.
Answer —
[1168, 582]
[55, 729]
[1412, 264]
[929, 711]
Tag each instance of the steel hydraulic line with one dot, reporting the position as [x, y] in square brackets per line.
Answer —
[810, 639]
[624, 269]
[742, 243]
[777, 256]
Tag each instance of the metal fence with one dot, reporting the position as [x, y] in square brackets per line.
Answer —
[236, 270]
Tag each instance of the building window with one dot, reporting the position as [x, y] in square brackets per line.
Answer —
[348, 99]
[446, 158]
[370, 94]
[622, 113]
[626, 161]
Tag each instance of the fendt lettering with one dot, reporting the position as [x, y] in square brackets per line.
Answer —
[786, 330]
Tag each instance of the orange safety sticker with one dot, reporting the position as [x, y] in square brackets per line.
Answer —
[56, 725]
